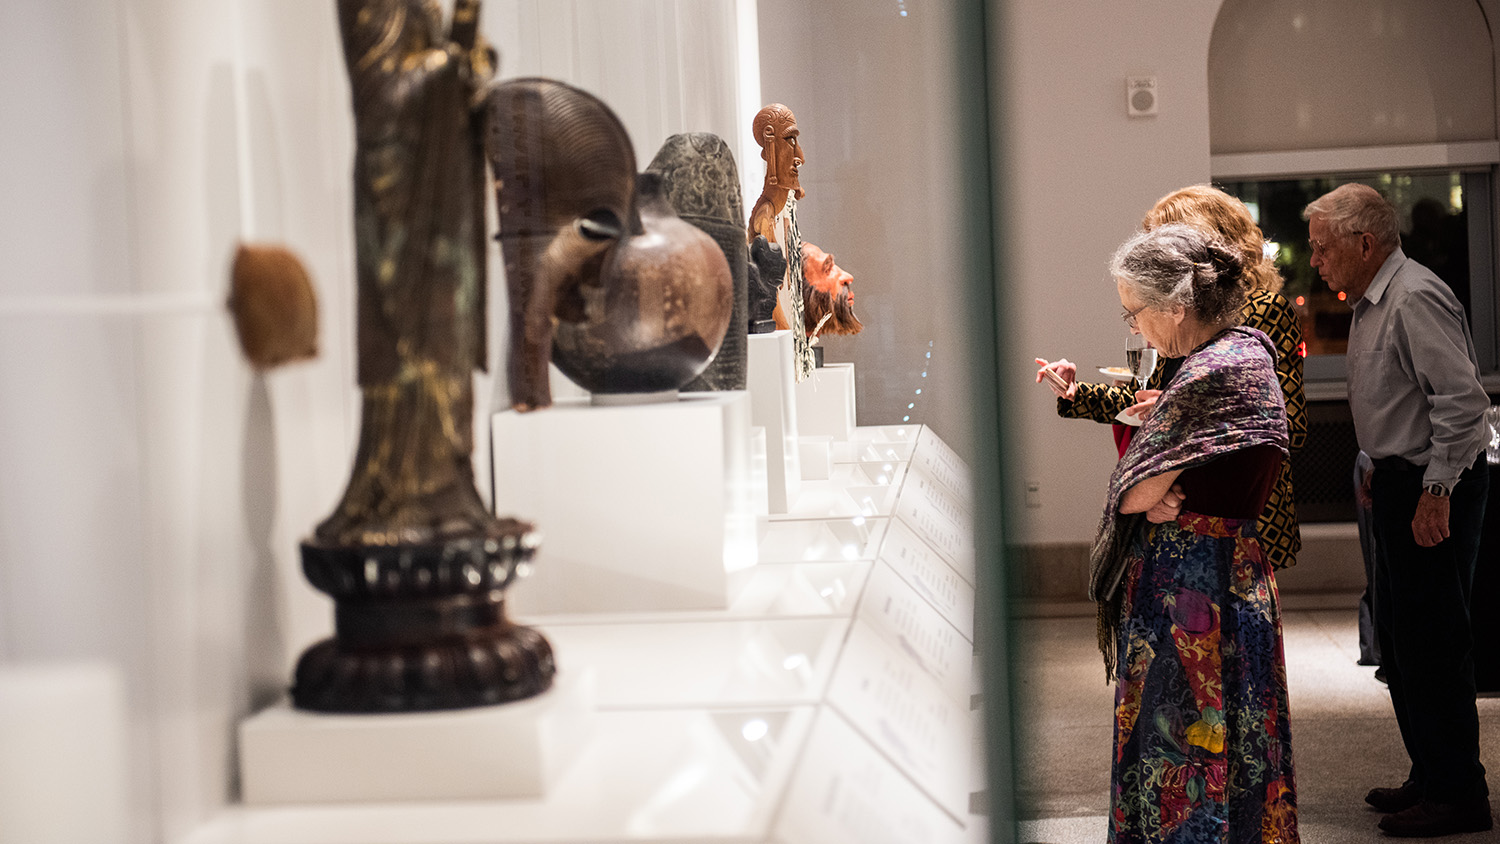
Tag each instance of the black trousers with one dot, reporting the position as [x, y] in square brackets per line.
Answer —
[1422, 620]
[1369, 643]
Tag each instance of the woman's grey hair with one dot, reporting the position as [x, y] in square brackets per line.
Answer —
[1354, 207]
[1177, 264]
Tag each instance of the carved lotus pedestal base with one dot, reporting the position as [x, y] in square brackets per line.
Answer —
[421, 627]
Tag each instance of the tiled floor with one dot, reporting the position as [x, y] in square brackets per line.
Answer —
[1344, 733]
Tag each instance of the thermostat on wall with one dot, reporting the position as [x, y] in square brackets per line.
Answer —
[1140, 96]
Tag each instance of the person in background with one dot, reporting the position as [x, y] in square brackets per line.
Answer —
[1418, 412]
[1265, 309]
[1189, 619]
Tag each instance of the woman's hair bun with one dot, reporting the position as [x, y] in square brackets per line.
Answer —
[1227, 263]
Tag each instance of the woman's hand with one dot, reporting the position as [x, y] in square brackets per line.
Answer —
[1168, 507]
[1060, 375]
[1145, 401]
[1151, 493]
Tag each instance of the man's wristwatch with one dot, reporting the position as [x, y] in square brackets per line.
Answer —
[1438, 490]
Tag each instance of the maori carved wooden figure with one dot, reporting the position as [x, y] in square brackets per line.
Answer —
[780, 142]
[605, 280]
[415, 561]
[775, 218]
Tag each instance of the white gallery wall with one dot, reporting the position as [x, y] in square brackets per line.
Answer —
[151, 489]
[1080, 174]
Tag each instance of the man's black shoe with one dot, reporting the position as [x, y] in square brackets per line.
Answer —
[1390, 800]
[1429, 820]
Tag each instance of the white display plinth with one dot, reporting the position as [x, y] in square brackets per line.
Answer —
[816, 455]
[758, 494]
[773, 406]
[490, 752]
[64, 737]
[825, 402]
[640, 507]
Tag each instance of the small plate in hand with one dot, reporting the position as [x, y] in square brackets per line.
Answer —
[1119, 373]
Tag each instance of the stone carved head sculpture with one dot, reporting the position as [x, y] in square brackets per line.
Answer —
[702, 184]
[604, 279]
[767, 268]
[827, 295]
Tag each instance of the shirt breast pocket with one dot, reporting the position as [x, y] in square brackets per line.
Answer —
[1373, 369]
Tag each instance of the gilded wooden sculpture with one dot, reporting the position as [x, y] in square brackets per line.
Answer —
[416, 563]
[604, 279]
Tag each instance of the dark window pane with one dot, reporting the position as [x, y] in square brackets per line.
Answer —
[1434, 232]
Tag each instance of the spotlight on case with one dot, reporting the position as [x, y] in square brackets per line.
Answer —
[1140, 96]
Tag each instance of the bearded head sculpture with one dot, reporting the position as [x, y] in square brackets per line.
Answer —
[827, 295]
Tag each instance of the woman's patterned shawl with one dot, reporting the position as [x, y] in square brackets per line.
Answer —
[1225, 398]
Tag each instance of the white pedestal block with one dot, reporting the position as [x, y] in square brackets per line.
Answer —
[641, 507]
[491, 752]
[63, 750]
[816, 455]
[758, 493]
[774, 407]
[825, 402]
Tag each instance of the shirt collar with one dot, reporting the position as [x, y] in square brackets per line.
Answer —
[1383, 277]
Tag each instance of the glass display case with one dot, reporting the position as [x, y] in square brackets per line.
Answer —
[822, 685]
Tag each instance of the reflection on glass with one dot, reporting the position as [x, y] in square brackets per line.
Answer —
[755, 729]
[753, 738]
[819, 541]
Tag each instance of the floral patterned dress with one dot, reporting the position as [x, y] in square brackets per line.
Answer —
[1202, 744]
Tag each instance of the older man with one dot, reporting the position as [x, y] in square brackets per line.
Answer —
[1419, 413]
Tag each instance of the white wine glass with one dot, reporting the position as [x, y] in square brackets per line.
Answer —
[1140, 358]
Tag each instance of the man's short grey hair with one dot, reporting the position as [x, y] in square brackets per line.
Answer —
[1178, 264]
[1354, 208]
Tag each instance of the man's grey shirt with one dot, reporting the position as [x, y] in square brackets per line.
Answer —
[1413, 376]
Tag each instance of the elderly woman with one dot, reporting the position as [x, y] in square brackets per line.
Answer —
[1189, 621]
[1265, 309]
